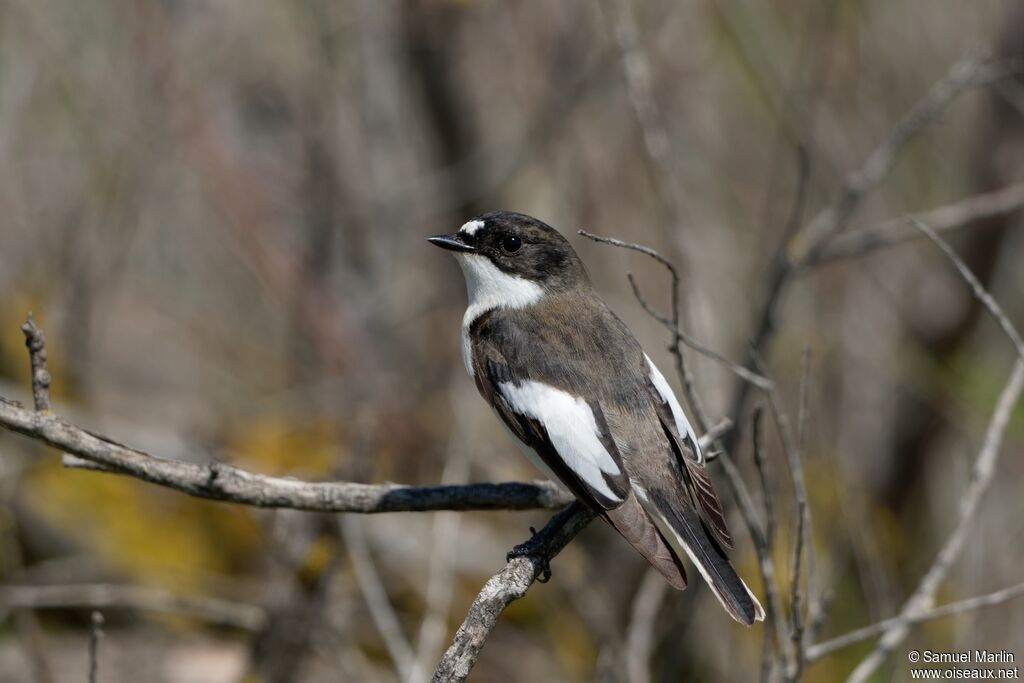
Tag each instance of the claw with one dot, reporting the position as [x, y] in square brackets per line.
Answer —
[536, 550]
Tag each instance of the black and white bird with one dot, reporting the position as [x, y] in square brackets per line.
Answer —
[570, 381]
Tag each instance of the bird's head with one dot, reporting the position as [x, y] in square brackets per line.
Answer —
[515, 249]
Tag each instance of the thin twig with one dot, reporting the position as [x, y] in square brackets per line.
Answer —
[95, 633]
[965, 212]
[649, 598]
[774, 633]
[804, 247]
[803, 530]
[765, 562]
[967, 73]
[822, 649]
[803, 544]
[979, 290]
[657, 143]
[671, 323]
[376, 597]
[738, 370]
[36, 343]
[107, 596]
[981, 478]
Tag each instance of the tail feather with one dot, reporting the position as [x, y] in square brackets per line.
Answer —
[630, 520]
[685, 532]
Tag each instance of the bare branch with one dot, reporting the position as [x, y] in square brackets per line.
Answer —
[36, 343]
[95, 633]
[657, 143]
[819, 650]
[967, 73]
[635, 247]
[512, 582]
[738, 370]
[508, 585]
[106, 596]
[670, 322]
[640, 633]
[804, 247]
[942, 219]
[376, 597]
[774, 626]
[766, 559]
[217, 481]
[979, 290]
[981, 479]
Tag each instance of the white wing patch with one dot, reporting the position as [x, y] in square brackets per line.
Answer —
[682, 424]
[489, 287]
[571, 427]
[471, 227]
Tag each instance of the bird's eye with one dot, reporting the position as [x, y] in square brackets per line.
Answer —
[511, 244]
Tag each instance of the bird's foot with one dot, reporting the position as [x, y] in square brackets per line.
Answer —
[536, 549]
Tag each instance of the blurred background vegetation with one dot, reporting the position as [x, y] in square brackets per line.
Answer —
[217, 212]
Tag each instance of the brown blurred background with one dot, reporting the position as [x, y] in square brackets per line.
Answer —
[217, 212]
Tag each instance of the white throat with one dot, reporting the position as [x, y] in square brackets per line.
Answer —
[488, 288]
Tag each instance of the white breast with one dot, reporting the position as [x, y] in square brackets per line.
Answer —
[489, 288]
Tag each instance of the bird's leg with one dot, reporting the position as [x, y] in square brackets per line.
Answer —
[536, 548]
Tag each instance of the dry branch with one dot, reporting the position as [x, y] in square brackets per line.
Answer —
[819, 650]
[217, 481]
[981, 478]
[107, 596]
[942, 219]
[512, 582]
[804, 247]
[508, 585]
[36, 343]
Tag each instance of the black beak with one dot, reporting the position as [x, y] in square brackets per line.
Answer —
[450, 242]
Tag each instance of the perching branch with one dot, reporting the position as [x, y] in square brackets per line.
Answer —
[508, 585]
[512, 582]
[218, 481]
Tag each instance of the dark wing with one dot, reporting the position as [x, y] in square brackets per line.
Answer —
[687, 452]
[589, 465]
[570, 435]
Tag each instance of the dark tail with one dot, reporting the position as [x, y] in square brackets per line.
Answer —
[679, 523]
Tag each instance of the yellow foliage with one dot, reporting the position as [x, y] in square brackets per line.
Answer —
[282, 445]
[575, 650]
[157, 536]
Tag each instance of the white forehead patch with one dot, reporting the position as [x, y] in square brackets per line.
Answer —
[471, 227]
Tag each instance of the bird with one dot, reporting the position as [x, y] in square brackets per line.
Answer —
[592, 411]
